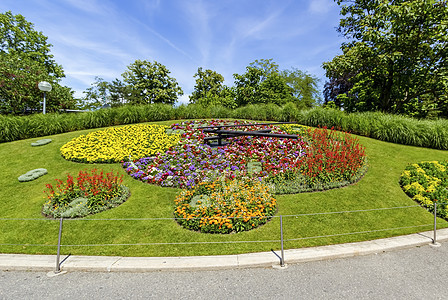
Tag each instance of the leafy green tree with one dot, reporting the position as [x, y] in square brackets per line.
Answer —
[304, 87]
[268, 66]
[18, 83]
[18, 36]
[396, 55]
[208, 83]
[60, 98]
[25, 60]
[210, 90]
[19, 93]
[263, 82]
[96, 95]
[257, 86]
[248, 86]
[150, 83]
[119, 93]
[275, 90]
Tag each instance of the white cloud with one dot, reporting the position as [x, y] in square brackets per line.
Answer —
[90, 6]
[184, 99]
[320, 6]
[162, 38]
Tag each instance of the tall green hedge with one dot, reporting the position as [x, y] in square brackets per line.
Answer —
[385, 127]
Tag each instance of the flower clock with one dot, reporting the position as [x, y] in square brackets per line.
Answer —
[426, 183]
[319, 159]
[225, 188]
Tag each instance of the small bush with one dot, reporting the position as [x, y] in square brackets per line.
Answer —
[426, 183]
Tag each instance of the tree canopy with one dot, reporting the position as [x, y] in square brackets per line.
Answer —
[263, 82]
[25, 60]
[150, 83]
[18, 36]
[143, 82]
[395, 57]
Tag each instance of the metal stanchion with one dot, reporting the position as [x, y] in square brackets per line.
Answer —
[58, 271]
[58, 267]
[282, 261]
[434, 240]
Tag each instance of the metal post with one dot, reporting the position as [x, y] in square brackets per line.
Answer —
[434, 241]
[44, 105]
[58, 267]
[282, 262]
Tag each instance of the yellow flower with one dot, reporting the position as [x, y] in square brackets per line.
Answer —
[118, 143]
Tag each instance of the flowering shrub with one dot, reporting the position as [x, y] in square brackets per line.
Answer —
[224, 206]
[427, 182]
[89, 193]
[319, 159]
[115, 144]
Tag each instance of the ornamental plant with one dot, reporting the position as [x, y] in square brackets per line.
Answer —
[332, 157]
[426, 183]
[115, 144]
[89, 193]
[224, 206]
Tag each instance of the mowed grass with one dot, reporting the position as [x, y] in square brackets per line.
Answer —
[115, 232]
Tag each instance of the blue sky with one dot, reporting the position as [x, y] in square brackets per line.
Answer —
[102, 37]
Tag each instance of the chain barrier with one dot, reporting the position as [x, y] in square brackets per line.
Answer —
[199, 218]
[281, 240]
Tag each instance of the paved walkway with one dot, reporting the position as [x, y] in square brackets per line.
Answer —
[263, 259]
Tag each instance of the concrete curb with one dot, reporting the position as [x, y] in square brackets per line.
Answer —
[24, 262]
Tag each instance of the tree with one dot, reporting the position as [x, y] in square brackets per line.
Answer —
[263, 82]
[18, 36]
[60, 98]
[396, 55]
[96, 95]
[247, 86]
[209, 90]
[25, 61]
[18, 83]
[119, 93]
[150, 83]
[267, 66]
[275, 90]
[303, 87]
[209, 85]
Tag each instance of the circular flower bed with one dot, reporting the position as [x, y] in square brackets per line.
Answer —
[89, 193]
[427, 182]
[319, 159]
[118, 143]
[224, 206]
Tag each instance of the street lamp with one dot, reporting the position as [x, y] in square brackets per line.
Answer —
[44, 87]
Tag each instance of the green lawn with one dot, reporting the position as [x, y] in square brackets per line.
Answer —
[378, 189]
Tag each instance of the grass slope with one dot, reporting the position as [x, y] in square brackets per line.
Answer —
[378, 189]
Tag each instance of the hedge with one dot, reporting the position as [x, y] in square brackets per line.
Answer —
[377, 125]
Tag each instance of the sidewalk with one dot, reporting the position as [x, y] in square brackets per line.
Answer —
[263, 259]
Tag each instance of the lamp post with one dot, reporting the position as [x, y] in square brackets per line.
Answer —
[44, 87]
